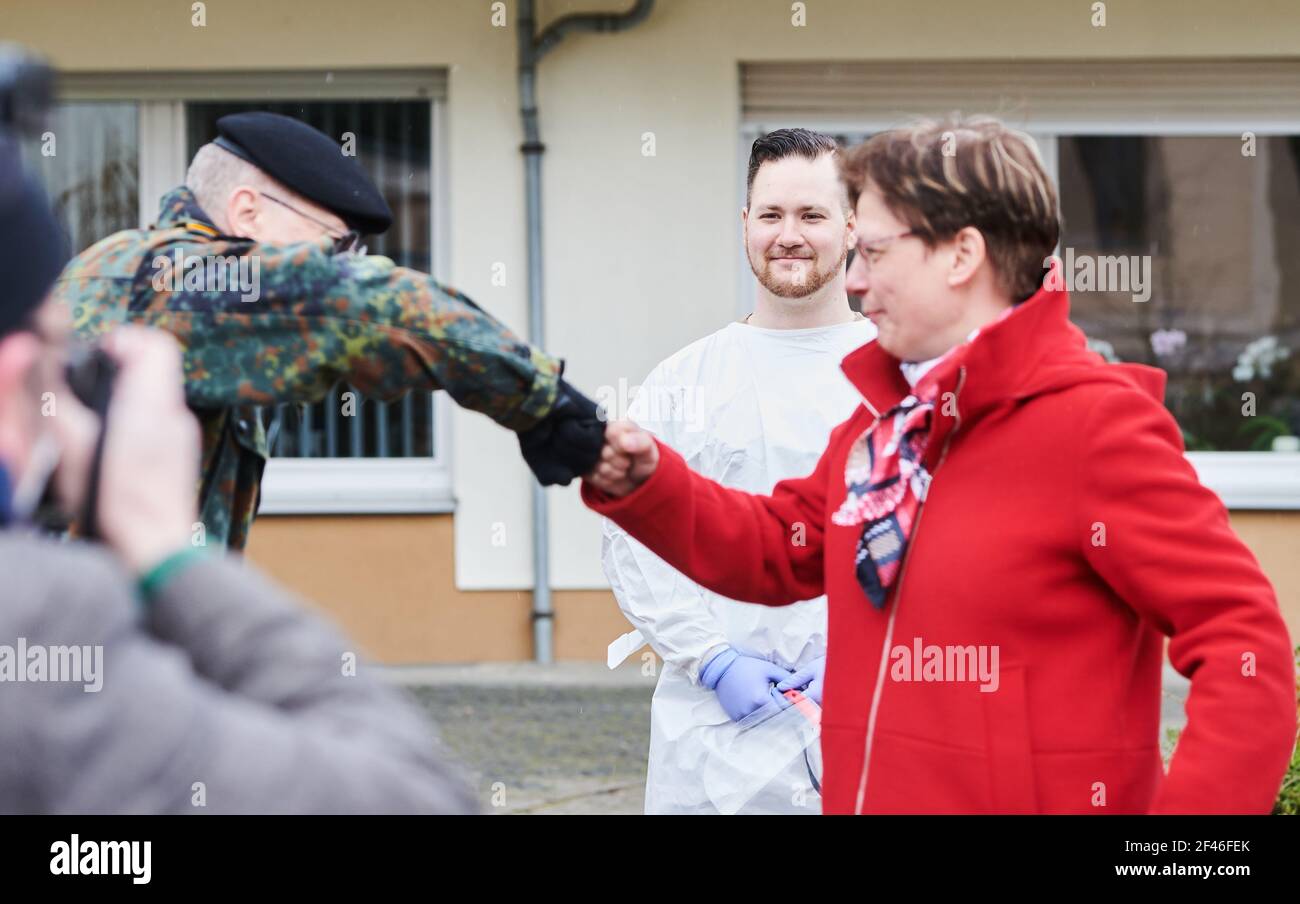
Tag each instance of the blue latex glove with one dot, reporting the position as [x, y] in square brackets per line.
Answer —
[742, 683]
[808, 679]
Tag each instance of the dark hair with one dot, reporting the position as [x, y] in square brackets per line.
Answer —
[785, 143]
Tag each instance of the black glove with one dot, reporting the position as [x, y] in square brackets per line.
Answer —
[567, 442]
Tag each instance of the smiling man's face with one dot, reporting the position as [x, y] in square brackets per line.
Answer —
[797, 228]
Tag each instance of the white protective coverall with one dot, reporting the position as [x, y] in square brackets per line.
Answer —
[747, 407]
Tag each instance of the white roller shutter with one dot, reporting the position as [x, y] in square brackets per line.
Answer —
[1151, 96]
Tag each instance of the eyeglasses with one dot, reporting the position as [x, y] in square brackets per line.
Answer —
[348, 241]
[871, 255]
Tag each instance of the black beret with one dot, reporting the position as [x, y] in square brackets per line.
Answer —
[309, 162]
[33, 249]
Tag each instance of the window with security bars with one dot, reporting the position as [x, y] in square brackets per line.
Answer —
[103, 150]
[392, 142]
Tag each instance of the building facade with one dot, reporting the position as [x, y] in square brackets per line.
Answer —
[1173, 129]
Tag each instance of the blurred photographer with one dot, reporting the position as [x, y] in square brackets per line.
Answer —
[144, 676]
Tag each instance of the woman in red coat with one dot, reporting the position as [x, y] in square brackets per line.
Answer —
[1006, 529]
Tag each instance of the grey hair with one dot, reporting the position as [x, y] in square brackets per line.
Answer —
[215, 172]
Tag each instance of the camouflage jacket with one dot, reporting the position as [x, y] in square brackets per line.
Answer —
[264, 324]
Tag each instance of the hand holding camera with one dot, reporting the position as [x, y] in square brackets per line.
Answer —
[133, 479]
[151, 451]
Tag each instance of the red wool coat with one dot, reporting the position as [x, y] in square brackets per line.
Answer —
[1063, 530]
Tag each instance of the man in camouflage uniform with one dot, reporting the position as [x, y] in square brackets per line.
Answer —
[317, 313]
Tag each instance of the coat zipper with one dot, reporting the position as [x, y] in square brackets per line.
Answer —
[893, 613]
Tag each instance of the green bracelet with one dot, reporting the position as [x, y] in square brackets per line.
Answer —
[154, 579]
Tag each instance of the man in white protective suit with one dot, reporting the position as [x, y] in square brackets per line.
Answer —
[749, 405]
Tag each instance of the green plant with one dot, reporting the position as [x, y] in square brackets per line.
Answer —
[1288, 798]
[1193, 443]
[1264, 429]
[1167, 745]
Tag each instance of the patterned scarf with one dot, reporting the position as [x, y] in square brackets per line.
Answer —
[887, 482]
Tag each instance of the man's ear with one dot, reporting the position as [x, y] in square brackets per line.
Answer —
[851, 229]
[243, 209]
[969, 253]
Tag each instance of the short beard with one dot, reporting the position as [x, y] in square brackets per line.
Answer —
[812, 282]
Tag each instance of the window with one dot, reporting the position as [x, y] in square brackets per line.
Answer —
[393, 144]
[1186, 173]
[90, 166]
[1207, 227]
[123, 142]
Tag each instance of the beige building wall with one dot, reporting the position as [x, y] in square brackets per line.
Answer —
[640, 250]
[388, 581]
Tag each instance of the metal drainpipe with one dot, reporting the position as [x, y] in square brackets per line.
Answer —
[532, 47]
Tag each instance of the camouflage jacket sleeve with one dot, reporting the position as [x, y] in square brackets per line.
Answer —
[264, 325]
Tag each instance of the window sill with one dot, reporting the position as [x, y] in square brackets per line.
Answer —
[320, 486]
[1251, 480]
[300, 486]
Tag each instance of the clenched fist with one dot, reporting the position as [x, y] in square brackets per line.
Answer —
[627, 460]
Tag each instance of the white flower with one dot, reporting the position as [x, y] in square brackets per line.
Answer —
[1166, 342]
[1258, 358]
